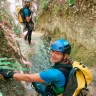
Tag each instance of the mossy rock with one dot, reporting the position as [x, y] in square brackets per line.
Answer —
[12, 88]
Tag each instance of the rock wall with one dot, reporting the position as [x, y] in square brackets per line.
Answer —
[77, 23]
[9, 49]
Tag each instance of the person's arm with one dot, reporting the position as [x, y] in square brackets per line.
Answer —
[28, 77]
[28, 18]
[21, 77]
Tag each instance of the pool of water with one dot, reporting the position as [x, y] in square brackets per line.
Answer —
[40, 55]
[37, 54]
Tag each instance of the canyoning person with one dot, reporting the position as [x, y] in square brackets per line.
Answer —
[60, 51]
[29, 25]
[65, 78]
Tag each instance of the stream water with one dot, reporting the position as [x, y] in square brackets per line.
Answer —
[38, 54]
[40, 51]
[40, 57]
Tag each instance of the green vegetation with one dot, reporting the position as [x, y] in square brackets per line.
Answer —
[43, 4]
[71, 2]
[8, 20]
[9, 55]
[9, 63]
[16, 29]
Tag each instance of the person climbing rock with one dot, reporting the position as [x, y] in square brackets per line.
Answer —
[28, 21]
[60, 51]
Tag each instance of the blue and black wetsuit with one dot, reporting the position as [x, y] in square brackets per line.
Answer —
[51, 75]
[29, 25]
[54, 76]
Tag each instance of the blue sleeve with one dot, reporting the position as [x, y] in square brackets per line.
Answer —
[26, 13]
[53, 75]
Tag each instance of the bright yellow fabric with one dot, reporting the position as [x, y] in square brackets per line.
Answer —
[59, 95]
[85, 70]
[19, 16]
[18, 9]
[80, 77]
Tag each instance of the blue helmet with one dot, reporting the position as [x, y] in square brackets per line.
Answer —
[61, 45]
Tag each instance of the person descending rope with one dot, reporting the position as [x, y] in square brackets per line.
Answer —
[53, 81]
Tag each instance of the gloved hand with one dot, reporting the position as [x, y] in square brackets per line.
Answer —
[6, 73]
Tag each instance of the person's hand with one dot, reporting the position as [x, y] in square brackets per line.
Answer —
[30, 17]
[6, 73]
[27, 63]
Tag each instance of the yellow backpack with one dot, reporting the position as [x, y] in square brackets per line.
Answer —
[20, 13]
[80, 77]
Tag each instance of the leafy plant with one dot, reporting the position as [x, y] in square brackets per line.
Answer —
[9, 63]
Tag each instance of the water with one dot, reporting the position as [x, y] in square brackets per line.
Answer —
[38, 54]
[41, 54]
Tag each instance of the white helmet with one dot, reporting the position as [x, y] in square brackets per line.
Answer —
[26, 0]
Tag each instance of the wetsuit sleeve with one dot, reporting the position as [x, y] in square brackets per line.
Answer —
[53, 75]
[26, 13]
